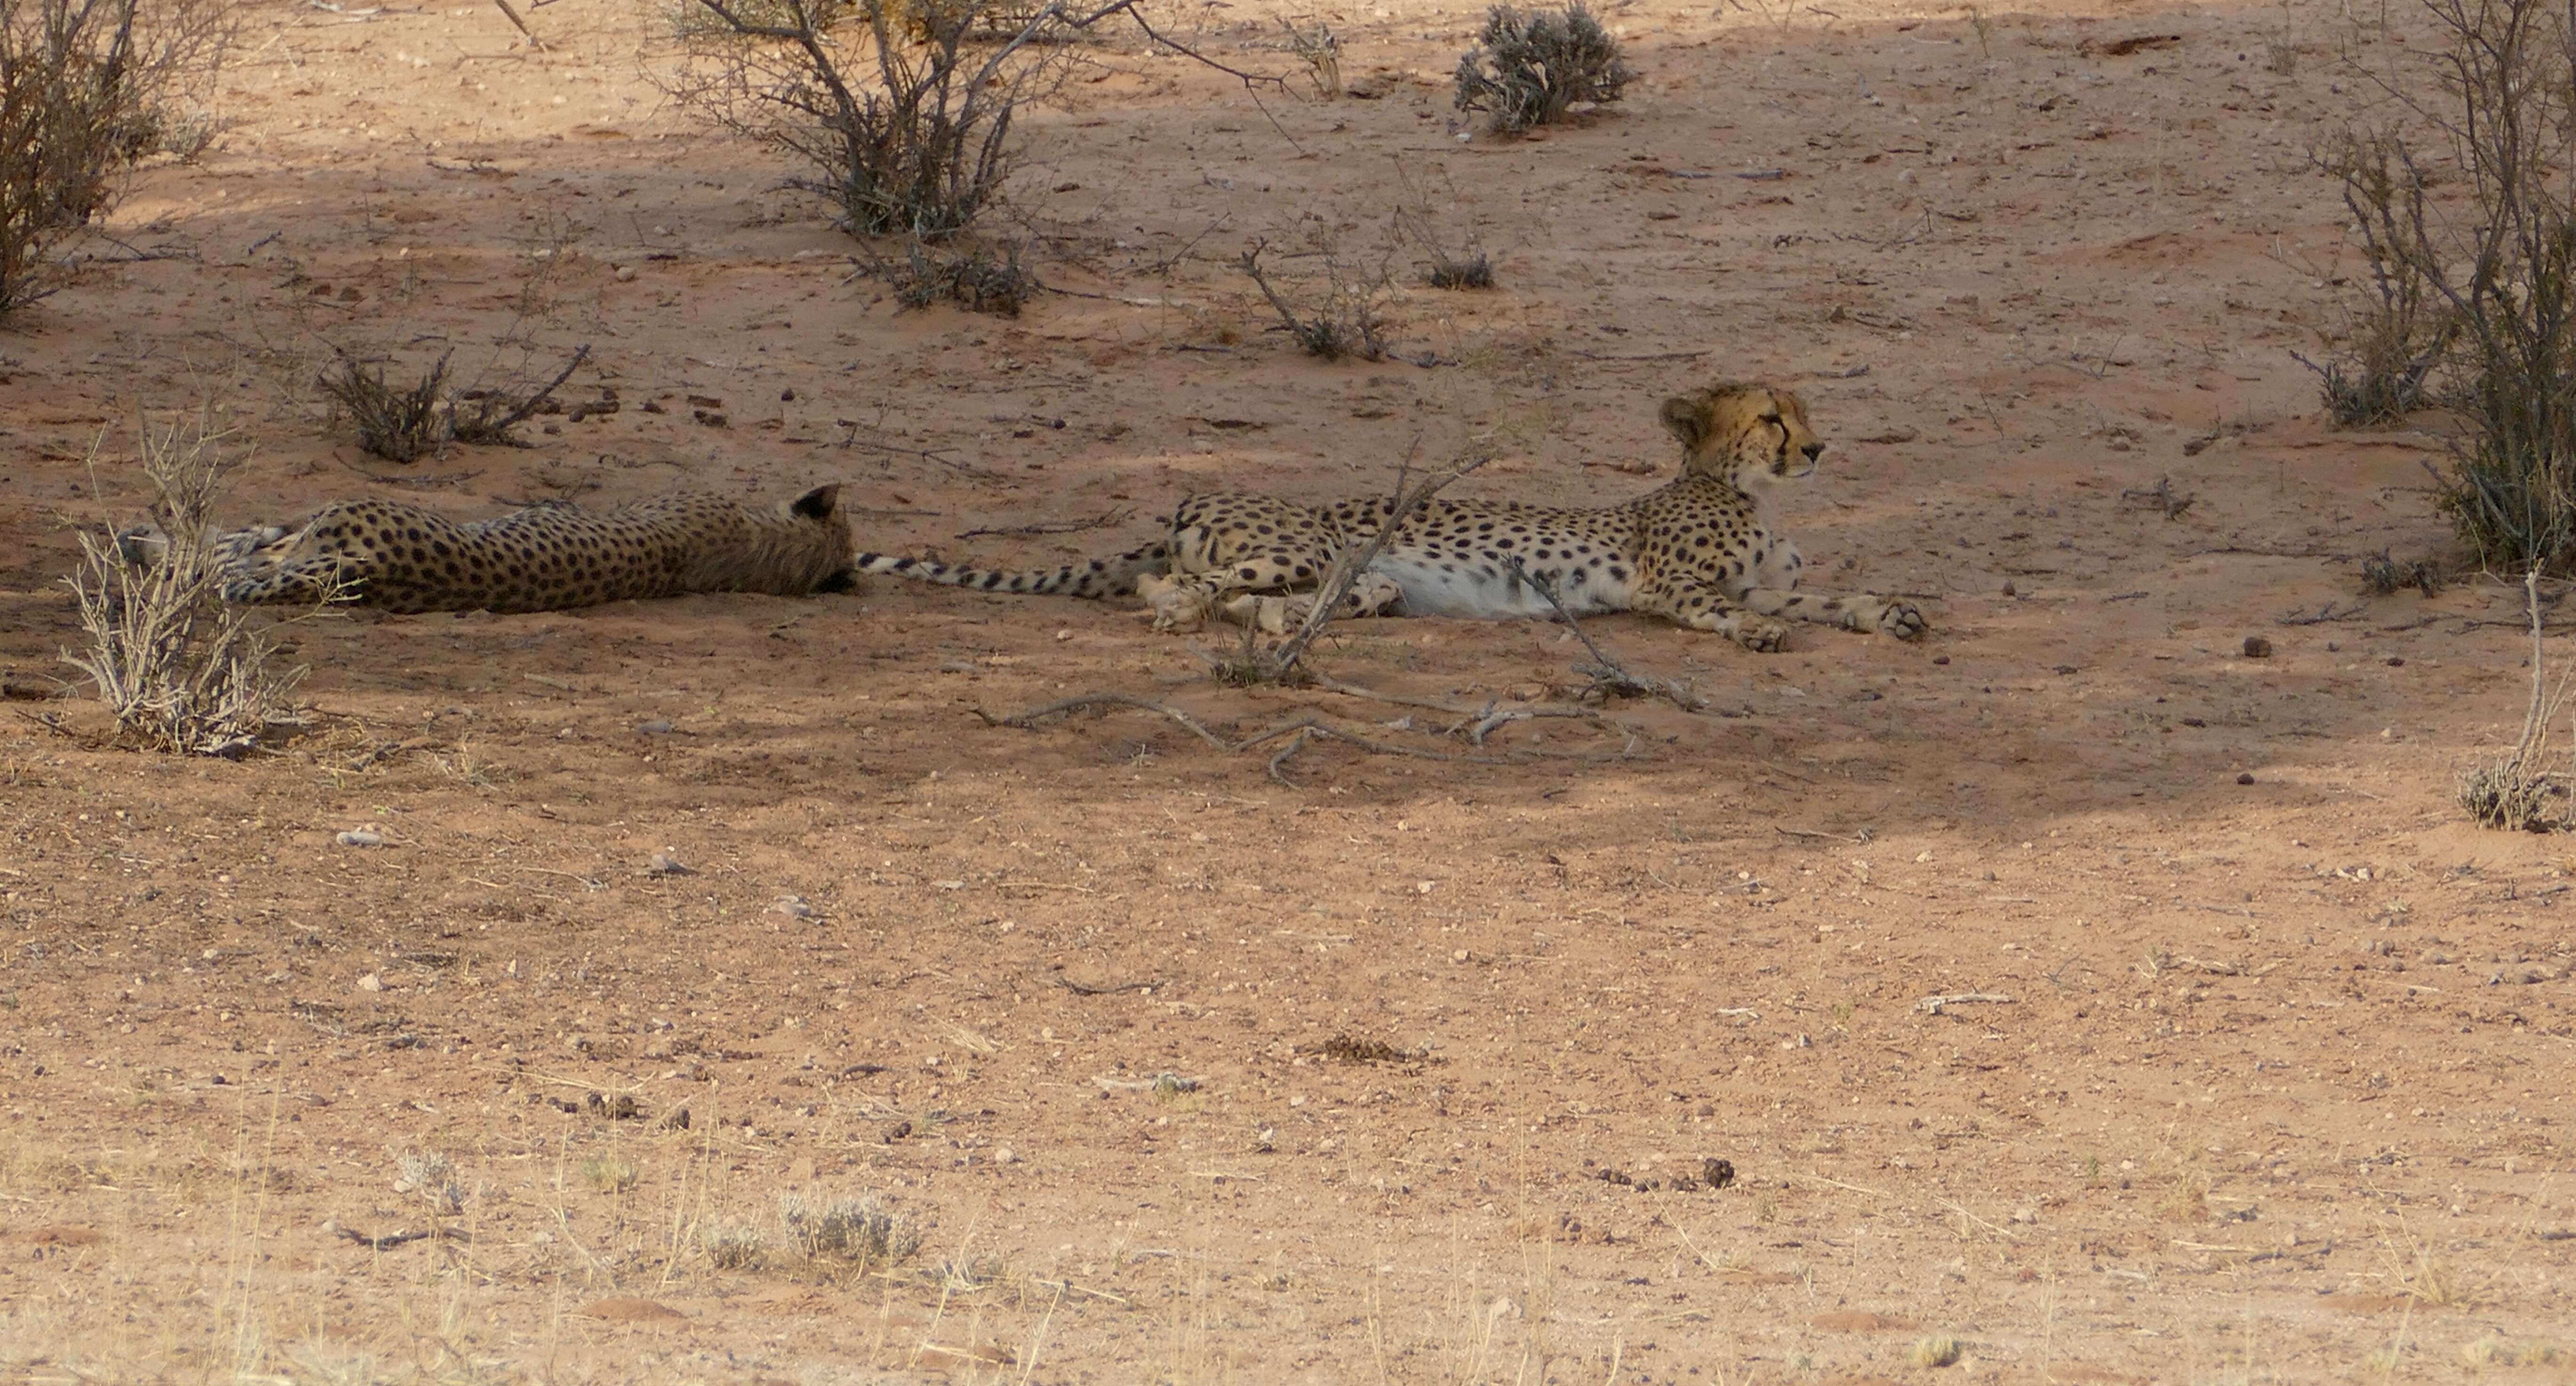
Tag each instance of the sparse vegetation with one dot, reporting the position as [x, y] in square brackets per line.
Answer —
[858, 1230]
[87, 89]
[610, 1174]
[976, 278]
[2516, 792]
[2498, 273]
[178, 669]
[407, 424]
[2382, 575]
[1344, 323]
[1322, 54]
[1528, 68]
[398, 425]
[906, 128]
[2403, 329]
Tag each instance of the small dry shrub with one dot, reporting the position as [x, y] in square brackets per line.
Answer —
[1528, 67]
[735, 1245]
[2399, 335]
[2382, 575]
[976, 278]
[1342, 320]
[856, 1229]
[398, 425]
[1322, 53]
[2516, 792]
[178, 669]
[404, 425]
[904, 117]
[87, 88]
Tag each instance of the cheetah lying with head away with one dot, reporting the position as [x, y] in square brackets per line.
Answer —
[547, 557]
[1700, 551]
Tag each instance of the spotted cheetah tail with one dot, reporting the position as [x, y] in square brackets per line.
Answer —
[1101, 577]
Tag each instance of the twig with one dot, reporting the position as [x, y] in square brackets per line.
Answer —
[2161, 494]
[521, 25]
[387, 1242]
[1865, 834]
[529, 405]
[1639, 356]
[1934, 1005]
[2324, 614]
[1079, 989]
[1031, 717]
[1347, 569]
[1102, 520]
[1606, 673]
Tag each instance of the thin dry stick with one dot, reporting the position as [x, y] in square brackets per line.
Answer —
[1605, 672]
[529, 405]
[1347, 568]
[1031, 717]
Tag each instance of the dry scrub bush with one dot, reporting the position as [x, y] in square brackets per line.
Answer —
[855, 1229]
[1527, 68]
[404, 425]
[87, 88]
[904, 113]
[1341, 319]
[2516, 792]
[2398, 336]
[979, 279]
[2498, 270]
[178, 669]
[398, 425]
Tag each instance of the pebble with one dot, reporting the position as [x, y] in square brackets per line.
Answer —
[360, 837]
[625, 274]
[371, 982]
[2256, 647]
[663, 864]
[795, 906]
[656, 727]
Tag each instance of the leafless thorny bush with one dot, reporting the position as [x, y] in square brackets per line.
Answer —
[1344, 319]
[178, 669]
[2500, 272]
[977, 278]
[2399, 335]
[404, 425]
[1466, 267]
[1527, 68]
[88, 88]
[903, 114]
[2515, 792]
[398, 425]
[1321, 51]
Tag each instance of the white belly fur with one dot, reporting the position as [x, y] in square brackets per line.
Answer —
[1464, 591]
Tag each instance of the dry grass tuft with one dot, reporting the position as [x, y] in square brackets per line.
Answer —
[178, 669]
[854, 1229]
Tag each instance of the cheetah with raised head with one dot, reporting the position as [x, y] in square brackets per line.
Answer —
[1700, 551]
[548, 557]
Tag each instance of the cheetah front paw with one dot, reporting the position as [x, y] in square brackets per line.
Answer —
[1901, 620]
[1762, 635]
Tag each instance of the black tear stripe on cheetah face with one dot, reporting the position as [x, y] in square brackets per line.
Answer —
[1700, 551]
[548, 557]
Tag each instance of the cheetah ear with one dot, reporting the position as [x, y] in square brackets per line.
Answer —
[816, 504]
[1687, 417]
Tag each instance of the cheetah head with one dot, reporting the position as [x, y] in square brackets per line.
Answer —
[1744, 435]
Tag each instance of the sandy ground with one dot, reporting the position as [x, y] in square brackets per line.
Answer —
[1188, 1072]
